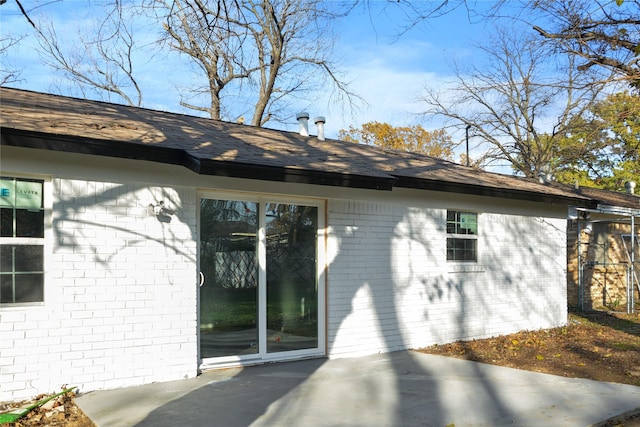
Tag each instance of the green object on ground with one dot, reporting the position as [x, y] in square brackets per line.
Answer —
[16, 414]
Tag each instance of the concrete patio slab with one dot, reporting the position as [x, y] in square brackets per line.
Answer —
[394, 389]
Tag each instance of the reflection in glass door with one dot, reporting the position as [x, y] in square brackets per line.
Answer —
[292, 292]
[228, 278]
[259, 278]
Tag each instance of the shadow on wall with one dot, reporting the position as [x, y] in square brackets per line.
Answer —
[123, 273]
[244, 404]
[281, 394]
[381, 390]
[118, 218]
[366, 392]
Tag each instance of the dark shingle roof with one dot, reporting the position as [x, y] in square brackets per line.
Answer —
[611, 198]
[213, 147]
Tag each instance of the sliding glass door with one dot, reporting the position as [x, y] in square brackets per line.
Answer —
[259, 276]
[292, 290]
[228, 278]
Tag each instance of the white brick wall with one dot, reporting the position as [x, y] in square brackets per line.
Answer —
[121, 286]
[390, 286]
[120, 294]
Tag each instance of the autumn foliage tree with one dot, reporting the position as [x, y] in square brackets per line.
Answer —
[415, 139]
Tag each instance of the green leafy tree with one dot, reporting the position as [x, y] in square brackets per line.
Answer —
[612, 128]
[415, 139]
[620, 114]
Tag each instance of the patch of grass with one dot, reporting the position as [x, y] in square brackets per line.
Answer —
[624, 346]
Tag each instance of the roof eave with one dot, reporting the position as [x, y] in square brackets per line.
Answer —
[152, 153]
[292, 175]
[93, 146]
[479, 190]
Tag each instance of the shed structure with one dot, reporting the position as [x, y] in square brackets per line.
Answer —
[604, 252]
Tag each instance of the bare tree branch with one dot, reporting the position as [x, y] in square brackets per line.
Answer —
[8, 75]
[260, 54]
[104, 62]
[604, 34]
[513, 103]
[272, 47]
[24, 13]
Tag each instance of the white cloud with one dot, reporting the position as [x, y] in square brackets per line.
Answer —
[390, 78]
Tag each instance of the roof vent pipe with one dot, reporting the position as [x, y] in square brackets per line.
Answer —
[320, 121]
[630, 186]
[303, 119]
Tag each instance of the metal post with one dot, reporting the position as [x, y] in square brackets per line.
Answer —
[580, 285]
[466, 131]
[633, 267]
[629, 290]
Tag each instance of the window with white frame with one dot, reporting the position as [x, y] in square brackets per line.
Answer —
[21, 240]
[462, 236]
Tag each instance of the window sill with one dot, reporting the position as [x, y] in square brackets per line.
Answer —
[20, 305]
[470, 267]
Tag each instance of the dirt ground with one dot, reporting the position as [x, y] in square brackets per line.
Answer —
[603, 346]
[59, 412]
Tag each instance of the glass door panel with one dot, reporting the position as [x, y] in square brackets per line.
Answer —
[292, 292]
[228, 278]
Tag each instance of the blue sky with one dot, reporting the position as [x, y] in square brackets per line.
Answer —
[388, 73]
[391, 73]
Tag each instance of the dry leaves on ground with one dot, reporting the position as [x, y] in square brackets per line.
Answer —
[600, 346]
[58, 412]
